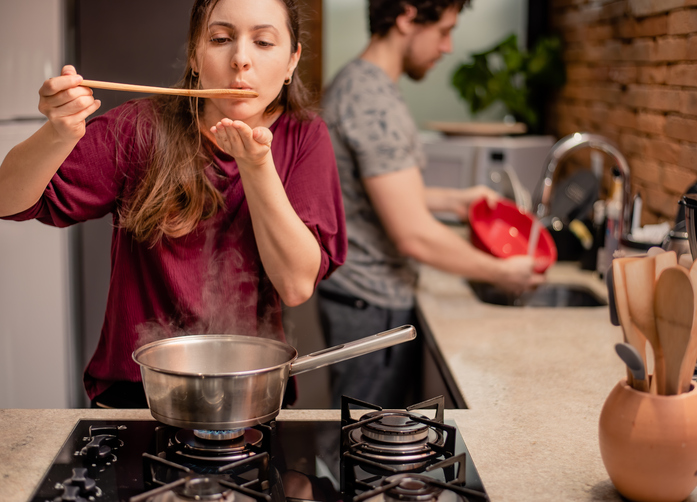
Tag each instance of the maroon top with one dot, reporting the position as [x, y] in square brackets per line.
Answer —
[210, 281]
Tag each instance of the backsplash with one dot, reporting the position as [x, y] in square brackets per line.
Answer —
[632, 77]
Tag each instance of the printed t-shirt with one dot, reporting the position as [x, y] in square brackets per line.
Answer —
[373, 134]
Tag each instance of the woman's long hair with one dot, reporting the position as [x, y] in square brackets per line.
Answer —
[175, 193]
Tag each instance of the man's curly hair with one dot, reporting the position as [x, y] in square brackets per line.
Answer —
[382, 14]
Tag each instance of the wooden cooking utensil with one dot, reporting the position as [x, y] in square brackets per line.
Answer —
[631, 334]
[663, 261]
[640, 282]
[674, 305]
[201, 93]
[688, 364]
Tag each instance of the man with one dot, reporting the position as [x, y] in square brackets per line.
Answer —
[388, 209]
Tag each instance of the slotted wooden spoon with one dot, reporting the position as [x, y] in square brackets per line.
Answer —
[201, 93]
[674, 305]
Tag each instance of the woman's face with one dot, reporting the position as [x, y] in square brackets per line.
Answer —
[246, 45]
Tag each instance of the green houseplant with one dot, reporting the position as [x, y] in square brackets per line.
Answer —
[521, 80]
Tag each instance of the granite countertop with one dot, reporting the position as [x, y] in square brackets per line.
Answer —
[535, 381]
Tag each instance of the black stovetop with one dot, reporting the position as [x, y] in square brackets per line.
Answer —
[117, 460]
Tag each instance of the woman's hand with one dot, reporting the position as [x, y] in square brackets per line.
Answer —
[66, 104]
[248, 146]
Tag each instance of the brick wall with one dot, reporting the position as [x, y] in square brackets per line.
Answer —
[632, 77]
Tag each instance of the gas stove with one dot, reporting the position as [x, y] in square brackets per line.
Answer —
[410, 455]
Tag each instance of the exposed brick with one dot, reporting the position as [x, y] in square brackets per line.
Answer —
[577, 72]
[672, 48]
[688, 156]
[652, 74]
[691, 48]
[677, 180]
[646, 170]
[648, 217]
[662, 203]
[623, 117]
[682, 74]
[610, 50]
[631, 143]
[663, 149]
[649, 122]
[640, 49]
[623, 73]
[642, 8]
[681, 22]
[605, 92]
[652, 97]
[612, 10]
[681, 128]
[688, 101]
[598, 33]
[647, 27]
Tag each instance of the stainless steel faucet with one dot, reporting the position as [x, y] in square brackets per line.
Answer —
[574, 142]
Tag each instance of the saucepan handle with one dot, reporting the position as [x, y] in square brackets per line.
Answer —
[346, 351]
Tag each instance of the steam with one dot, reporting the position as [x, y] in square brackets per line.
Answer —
[228, 301]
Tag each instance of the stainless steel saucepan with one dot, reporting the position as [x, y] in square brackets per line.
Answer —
[220, 382]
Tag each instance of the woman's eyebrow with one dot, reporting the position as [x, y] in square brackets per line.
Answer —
[231, 26]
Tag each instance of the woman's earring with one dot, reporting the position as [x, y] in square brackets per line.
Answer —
[194, 73]
[288, 80]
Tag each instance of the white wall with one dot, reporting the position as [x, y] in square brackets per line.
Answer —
[36, 341]
[482, 25]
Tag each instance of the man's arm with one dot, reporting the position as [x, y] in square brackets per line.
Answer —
[399, 198]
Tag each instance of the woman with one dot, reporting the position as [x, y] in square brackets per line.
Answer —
[222, 208]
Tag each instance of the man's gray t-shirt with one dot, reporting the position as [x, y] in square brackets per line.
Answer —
[372, 133]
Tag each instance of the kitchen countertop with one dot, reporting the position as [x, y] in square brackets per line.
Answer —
[534, 379]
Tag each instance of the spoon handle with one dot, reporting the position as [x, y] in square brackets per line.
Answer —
[201, 93]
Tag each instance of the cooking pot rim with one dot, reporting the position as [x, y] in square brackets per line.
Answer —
[178, 339]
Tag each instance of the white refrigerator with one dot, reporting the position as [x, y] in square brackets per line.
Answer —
[37, 353]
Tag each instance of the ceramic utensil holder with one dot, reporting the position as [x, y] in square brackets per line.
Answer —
[648, 443]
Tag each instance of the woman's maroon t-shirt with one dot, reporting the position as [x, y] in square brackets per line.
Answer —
[210, 281]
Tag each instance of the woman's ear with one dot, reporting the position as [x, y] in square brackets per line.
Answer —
[294, 60]
[405, 21]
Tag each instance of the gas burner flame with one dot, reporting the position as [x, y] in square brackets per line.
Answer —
[224, 435]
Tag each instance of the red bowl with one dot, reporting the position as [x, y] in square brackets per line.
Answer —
[504, 231]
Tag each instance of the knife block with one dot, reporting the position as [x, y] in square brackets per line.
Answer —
[648, 443]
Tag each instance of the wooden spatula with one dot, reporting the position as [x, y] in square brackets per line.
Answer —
[631, 334]
[674, 305]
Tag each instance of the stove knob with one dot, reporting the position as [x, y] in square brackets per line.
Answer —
[71, 494]
[99, 447]
[87, 485]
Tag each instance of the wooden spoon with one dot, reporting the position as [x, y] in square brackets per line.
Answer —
[665, 260]
[674, 306]
[640, 282]
[631, 334]
[688, 364]
[201, 93]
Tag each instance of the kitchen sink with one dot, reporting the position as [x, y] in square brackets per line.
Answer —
[546, 295]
